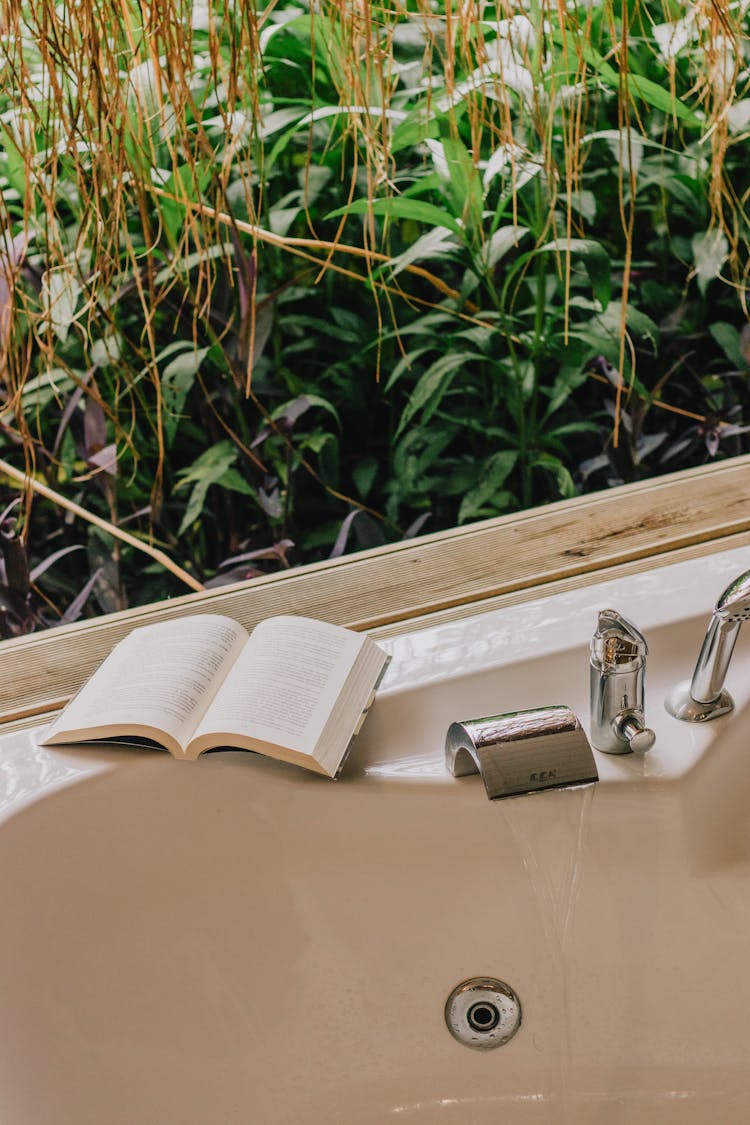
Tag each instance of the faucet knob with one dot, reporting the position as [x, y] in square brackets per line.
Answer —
[631, 729]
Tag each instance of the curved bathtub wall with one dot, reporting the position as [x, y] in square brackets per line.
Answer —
[236, 940]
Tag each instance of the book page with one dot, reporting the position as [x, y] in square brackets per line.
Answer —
[163, 676]
[284, 684]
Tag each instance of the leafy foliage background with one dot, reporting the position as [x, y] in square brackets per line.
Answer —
[278, 282]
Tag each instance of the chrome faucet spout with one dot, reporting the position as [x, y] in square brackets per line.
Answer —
[705, 697]
[521, 751]
[713, 660]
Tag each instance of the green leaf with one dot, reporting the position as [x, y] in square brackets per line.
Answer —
[364, 473]
[638, 323]
[710, 252]
[415, 129]
[232, 480]
[728, 339]
[561, 474]
[423, 123]
[414, 456]
[581, 201]
[400, 208]
[502, 242]
[181, 265]
[433, 385]
[684, 189]
[405, 364]
[595, 258]
[434, 244]
[211, 464]
[325, 328]
[36, 393]
[494, 474]
[659, 97]
[208, 469]
[465, 188]
[15, 168]
[329, 457]
[187, 183]
[568, 380]
[177, 379]
[572, 428]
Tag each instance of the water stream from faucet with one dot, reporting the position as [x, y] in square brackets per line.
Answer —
[550, 830]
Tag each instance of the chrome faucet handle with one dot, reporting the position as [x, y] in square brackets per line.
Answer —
[617, 641]
[630, 728]
[618, 672]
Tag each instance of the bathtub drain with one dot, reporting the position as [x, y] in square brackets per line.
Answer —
[483, 1016]
[482, 1013]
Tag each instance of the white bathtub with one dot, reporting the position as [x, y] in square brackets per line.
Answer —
[234, 941]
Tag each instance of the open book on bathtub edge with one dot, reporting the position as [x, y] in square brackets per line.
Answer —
[295, 689]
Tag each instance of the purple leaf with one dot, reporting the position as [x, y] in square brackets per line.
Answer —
[6, 513]
[105, 459]
[237, 574]
[260, 437]
[745, 342]
[415, 528]
[592, 465]
[605, 368]
[16, 564]
[94, 427]
[264, 313]
[70, 407]
[340, 545]
[275, 551]
[45, 564]
[270, 501]
[731, 430]
[256, 319]
[73, 612]
[295, 409]
[246, 281]
[625, 419]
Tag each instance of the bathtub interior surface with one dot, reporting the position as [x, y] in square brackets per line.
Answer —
[233, 940]
[216, 942]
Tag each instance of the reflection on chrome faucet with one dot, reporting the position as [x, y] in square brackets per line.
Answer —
[704, 697]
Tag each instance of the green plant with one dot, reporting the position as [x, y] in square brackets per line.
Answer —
[280, 282]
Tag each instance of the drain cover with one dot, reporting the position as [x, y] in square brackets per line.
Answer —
[483, 1013]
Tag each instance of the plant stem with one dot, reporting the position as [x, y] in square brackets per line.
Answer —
[50, 494]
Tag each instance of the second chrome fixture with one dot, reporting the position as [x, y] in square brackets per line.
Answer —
[704, 696]
[618, 673]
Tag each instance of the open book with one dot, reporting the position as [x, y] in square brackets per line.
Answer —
[295, 689]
